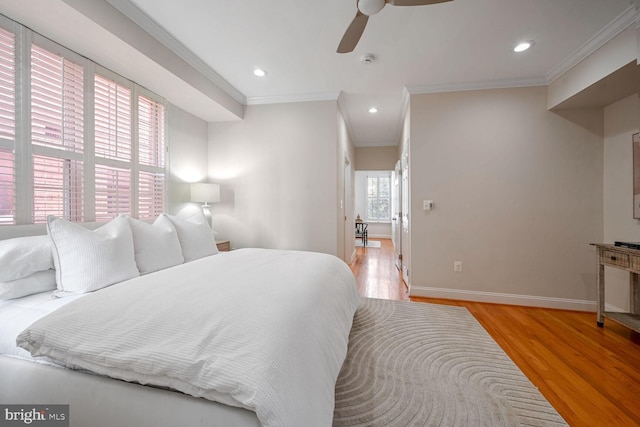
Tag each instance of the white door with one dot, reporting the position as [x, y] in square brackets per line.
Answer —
[396, 215]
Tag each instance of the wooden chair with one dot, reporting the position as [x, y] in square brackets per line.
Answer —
[361, 232]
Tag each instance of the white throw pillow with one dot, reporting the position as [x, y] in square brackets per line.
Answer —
[23, 256]
[156, 245]
[88, 260]
[41, 281]
[196, 237]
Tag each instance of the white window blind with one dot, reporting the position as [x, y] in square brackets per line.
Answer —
[57, 188]
[112, 119]
[113, 147]
[57, 101]
[57, 135]
[151, 150]
[7, 126]
[113, 192]
[7, 187]
[76, 140]
[7, 86]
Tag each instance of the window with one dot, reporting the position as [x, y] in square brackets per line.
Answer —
[379, 197]
[7, 127]
[57, 135]
[92, 144]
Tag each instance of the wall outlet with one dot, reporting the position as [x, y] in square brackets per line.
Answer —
[457, 266]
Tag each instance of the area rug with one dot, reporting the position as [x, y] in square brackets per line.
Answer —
[418, 364]
[370, 244]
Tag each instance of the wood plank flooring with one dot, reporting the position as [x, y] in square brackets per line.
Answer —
[590, 375]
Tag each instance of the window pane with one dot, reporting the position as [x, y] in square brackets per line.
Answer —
[57, 188]
[7, 188]
[113, 192]
[372, 209]
[112, 119]
[383, 186]
[384, 209]
[150, 132]
[372, 187]
[57, 101]
[151, 195]
[7, 85]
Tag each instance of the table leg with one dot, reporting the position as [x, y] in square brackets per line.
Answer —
[600, 318]
[635, 293]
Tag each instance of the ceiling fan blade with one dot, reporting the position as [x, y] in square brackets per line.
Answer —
[415, 2]
[353, 33]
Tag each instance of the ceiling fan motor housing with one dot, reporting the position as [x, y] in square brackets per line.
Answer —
[370, 7]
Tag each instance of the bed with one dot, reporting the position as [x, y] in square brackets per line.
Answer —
[191, 337]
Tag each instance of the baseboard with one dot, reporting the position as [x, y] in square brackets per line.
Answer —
[379, 236]
[502, 298]
[353, 256]
[609, 307]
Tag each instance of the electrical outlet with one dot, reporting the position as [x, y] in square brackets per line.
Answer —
[457, 266]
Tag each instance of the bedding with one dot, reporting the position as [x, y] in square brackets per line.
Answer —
[196, 237]
[156, 245]
[25, 255]
[40, 281]
[265, 330]
[17, 314]
[87, 260]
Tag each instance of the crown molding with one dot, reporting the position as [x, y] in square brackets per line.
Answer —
[302, 97]
[141, 19]
[630, 16]
[491, 84]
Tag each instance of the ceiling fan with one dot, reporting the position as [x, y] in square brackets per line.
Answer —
[367, 8]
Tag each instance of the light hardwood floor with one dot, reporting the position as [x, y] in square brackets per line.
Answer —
[590, 375]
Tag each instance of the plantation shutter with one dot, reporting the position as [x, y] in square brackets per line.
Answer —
[7, 127]
[113, 148]
[151, 157]
[57, 135]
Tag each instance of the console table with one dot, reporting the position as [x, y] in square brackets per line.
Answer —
[624, 259]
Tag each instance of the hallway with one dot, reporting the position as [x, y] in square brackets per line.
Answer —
[376, 273]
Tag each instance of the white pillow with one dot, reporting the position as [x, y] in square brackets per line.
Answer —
[35, 283]
[196, 237]
[23, 256]
[88, 260]
[156, 245]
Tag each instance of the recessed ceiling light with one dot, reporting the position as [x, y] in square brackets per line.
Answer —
[373, 110]
[521, 47]
[259, 72]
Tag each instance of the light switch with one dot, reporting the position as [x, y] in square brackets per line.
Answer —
[427, 205]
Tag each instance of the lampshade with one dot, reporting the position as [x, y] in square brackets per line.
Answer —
[204, 192]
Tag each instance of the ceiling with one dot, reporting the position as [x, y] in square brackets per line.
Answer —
[458, 45]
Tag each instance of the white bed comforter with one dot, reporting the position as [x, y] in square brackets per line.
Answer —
[262, 329]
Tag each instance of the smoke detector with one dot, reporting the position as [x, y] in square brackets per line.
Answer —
[367, 59]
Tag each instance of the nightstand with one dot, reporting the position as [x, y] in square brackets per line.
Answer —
[223, 245]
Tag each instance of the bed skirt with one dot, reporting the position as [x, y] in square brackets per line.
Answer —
[104, 402]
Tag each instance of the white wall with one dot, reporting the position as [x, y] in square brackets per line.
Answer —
[346, 190]
[518, 198]
[621, 121]
[277, 170]
[188, 155]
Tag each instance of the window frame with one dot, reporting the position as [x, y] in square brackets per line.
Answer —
[365, 192]
[24, 150]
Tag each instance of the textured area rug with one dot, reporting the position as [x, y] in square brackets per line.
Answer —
[418, 364]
